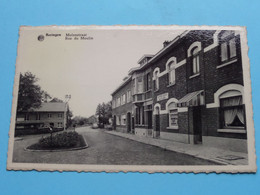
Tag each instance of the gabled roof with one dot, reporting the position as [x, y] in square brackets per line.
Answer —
[50, 107]
[122, 84]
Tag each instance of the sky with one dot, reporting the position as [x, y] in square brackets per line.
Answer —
[89, 70]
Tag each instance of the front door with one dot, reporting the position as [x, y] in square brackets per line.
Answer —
[150, 119]
[114, 123]
[197, 125]
[133, 125]
[157, 125]
[129, 122]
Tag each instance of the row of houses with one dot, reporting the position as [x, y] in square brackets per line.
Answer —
[191, 91]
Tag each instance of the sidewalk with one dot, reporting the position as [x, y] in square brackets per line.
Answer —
[224, 157]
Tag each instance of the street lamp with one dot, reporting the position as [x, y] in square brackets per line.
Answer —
[67, 98]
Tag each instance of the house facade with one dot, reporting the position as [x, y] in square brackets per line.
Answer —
[191, 91]
[48, 114]
[122, 107]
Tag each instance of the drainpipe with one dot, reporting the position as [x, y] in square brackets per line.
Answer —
[188, 127]
[187, 80]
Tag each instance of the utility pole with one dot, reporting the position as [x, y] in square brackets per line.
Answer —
[67, 99]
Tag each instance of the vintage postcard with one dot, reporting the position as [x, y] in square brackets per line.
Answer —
[132, 98]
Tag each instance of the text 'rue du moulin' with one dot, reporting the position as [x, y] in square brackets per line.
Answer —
[72, 36]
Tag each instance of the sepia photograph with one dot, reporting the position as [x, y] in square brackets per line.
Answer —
[132, 99]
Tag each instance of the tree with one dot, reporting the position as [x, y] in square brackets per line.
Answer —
[104, 112]
[98, 110]
[108, 108]
[69, 115]
[30, 94]
[56, 100]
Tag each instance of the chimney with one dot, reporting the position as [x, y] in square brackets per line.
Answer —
[125, 78]
[165, 43]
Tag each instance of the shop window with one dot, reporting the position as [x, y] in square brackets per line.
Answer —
[232, 113]
[173, 115]
[228, 49]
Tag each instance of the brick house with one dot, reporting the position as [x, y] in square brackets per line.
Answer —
[122, 106]
[38, 119]
[191, 91]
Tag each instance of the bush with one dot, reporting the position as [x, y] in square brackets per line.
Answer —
[61, 140]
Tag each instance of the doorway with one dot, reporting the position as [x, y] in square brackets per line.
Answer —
[129, 122]
[150, 119]
[157, 122]
[133, 125]
[114, 122]
[197, 125]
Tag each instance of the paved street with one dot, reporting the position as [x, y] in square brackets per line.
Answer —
[105, 149]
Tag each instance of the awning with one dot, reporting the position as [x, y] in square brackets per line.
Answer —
[195, 98]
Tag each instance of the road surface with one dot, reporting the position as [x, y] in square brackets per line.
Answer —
[106, 149]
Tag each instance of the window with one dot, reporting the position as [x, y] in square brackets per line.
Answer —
[49, 115]
[133, 84]
[232, 112]
[139, 116]
[171, 73]
[123, 99]
[113, 104]
[139, 85]
[118, 102]
[156, 81]
[228, 49]
[195, 60]
[59, 125]
[118, 122]
[59, 115]
[123, 120]
[148, 82]
[173, 115]
[128, 96]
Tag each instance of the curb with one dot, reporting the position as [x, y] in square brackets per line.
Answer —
[61, 150]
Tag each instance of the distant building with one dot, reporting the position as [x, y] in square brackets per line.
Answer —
[191, 91]
[48, 114]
